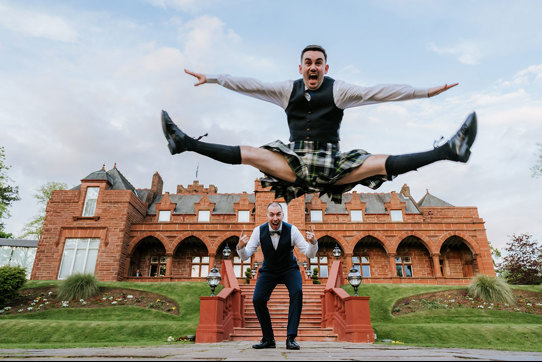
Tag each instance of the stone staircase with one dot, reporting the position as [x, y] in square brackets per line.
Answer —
[310, 328]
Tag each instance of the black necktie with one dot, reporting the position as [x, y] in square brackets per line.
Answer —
[273, 232]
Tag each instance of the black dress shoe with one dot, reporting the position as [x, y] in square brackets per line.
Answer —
[291, 343]
[265, 344]
[461, 142]
[177, 139]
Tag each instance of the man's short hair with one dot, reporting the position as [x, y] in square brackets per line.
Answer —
[314, 47]
[274, 203]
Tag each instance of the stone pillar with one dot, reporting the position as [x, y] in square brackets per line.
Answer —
[436, 265]
[169, 263]
[212, 257]
[348, 262]
[393, 271]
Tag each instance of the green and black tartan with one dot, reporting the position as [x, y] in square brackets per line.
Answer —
[318, 166]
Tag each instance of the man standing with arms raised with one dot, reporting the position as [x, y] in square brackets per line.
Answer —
[277, 240]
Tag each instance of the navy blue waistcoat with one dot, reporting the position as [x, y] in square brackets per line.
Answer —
[316, 120]
[281, 259]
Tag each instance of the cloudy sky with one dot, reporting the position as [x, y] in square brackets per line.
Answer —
[83, 84]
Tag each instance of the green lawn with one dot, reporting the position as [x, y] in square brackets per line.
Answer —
[119, 325]
[128, 325]
[460, 328]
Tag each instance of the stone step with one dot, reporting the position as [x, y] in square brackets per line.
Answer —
[303, 334]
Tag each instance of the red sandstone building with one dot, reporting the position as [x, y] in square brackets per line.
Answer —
[107, 227]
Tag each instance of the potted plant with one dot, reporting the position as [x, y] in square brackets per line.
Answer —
[315, 279]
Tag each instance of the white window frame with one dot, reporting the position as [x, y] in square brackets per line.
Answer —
[199, 267]
[204, 215]
[356, 215]
[164, 215]
[317, 216]
[243, 216]
[89, 209]
[91, 244]
[396, 215]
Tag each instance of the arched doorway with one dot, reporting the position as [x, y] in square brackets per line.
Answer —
[148, 258]
[324, 257]
[191, 259]
[412, 259]
[239, 266]
[456, 259]
[370, 258]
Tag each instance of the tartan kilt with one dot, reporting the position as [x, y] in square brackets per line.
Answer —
[318, 166]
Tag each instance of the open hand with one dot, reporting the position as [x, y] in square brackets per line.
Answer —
[437, 90]
[202, 78]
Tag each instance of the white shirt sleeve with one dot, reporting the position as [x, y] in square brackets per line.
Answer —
[308, 249]
[251, 246]
[350, 95]
[276, 92]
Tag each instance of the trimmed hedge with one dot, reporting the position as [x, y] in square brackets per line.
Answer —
[12, 278]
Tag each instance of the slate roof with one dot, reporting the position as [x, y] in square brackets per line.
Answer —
[432, 201]
[374, 203]
[114, 177]
[185, 203]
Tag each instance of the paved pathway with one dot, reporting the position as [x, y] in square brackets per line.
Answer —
[242, 351]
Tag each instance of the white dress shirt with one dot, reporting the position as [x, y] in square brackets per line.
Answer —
[298, 240]
[345, 95]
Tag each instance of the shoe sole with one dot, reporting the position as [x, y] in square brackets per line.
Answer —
[171, 144]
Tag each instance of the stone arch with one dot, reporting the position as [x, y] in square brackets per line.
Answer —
[343, 244]
[203, 238]
[423, 239]
[381, 237]
[148, 257]
[470, 242]
[136, 240]
[370, 257]
[191, 259]
[457, 259]
[229, 237]
[413, 257]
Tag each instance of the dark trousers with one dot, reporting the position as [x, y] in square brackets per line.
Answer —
[267, 281]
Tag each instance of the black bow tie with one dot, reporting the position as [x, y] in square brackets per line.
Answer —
[275, 232]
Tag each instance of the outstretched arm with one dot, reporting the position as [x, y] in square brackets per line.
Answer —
[437, 90]
[277, 93]
[350, 95]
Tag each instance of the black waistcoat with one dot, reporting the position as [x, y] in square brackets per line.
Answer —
[281, 259]
[316, 120]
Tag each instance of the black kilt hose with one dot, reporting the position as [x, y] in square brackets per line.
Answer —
[318, 166]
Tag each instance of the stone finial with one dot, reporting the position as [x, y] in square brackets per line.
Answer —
[405, 190]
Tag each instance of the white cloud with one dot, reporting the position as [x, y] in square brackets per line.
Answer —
[527, 76]
[37, 24]
[466, 52]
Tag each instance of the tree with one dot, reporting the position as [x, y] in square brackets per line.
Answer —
[522, 262]
[33, 227]
[537, 167]
[495, 254]
[8, 193]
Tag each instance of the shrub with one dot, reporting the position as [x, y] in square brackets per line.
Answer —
[315, 279]
[12, 279]
[248, 275]
[78, 286]
[494, 290]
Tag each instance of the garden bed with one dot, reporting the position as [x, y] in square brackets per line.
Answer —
[45, 298]
[526, 302]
